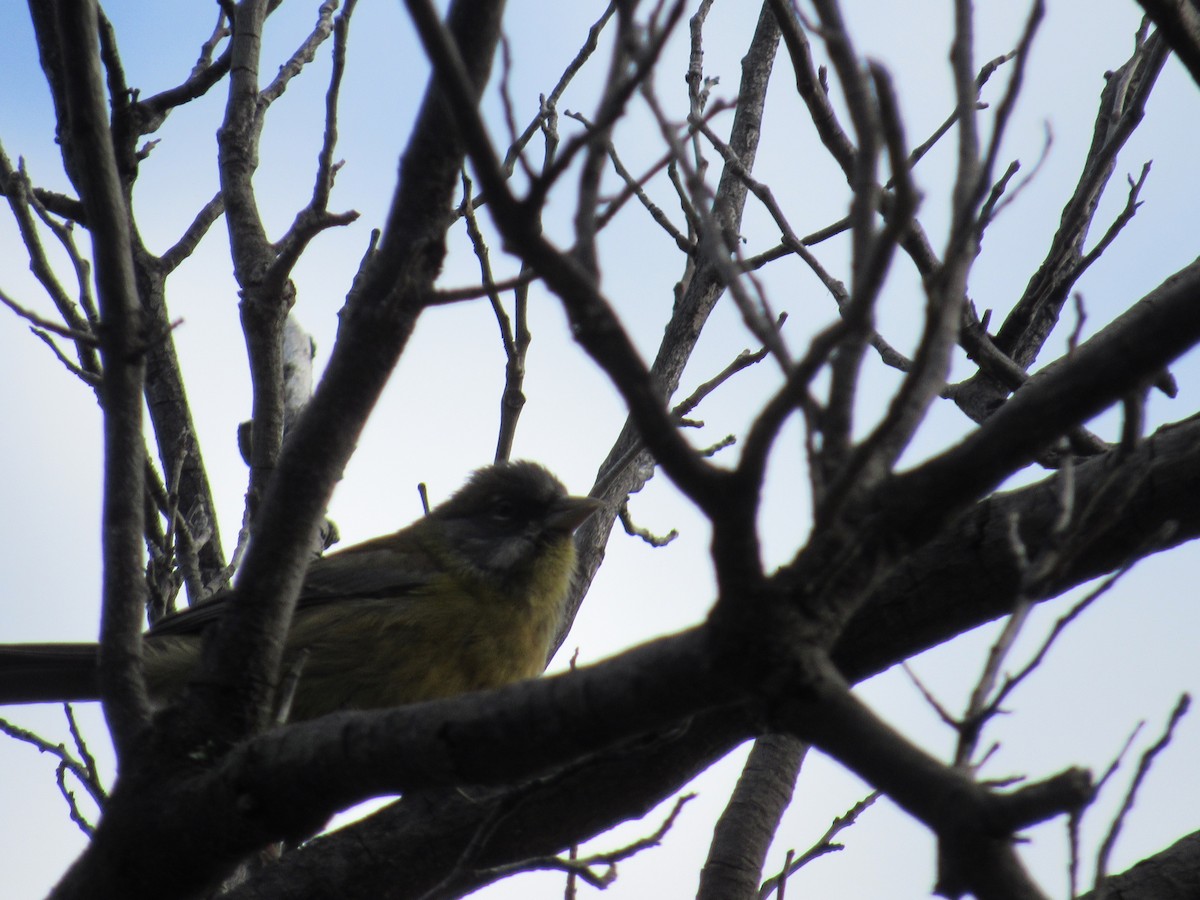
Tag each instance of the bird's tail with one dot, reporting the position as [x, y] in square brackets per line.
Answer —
[48, 673]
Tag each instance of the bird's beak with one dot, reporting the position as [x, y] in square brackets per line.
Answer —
[571, 512]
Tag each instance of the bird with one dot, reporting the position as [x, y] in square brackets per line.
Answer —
[468, 597]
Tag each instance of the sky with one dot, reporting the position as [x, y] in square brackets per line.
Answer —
[438, 417]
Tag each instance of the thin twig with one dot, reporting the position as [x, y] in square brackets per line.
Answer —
[590, 43]
[634, 530]
[584, 867]
[1143, 769]
[448, 296]
[756, 315]
[634, 188]
[71, 334]
[823, 846]
[84, 771]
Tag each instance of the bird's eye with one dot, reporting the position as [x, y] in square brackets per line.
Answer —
[503, 510]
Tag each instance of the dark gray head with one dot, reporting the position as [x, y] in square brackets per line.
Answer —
[507, 514]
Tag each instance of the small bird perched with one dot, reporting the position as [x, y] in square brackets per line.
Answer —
[467, 598]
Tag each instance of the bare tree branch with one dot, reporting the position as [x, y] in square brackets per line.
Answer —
[122, 687]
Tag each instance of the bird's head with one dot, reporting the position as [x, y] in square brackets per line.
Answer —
[509, 519]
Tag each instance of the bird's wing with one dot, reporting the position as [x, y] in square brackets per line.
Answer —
[381, 568]
[192, 619]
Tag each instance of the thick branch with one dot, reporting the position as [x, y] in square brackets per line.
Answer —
[1179, 21]
[593, 321]
[121, 349]
[734, 868]
[376, 323]
[626, 470]
[962, 579]
[232, 692]
[1173, 874]
[1127, 353]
